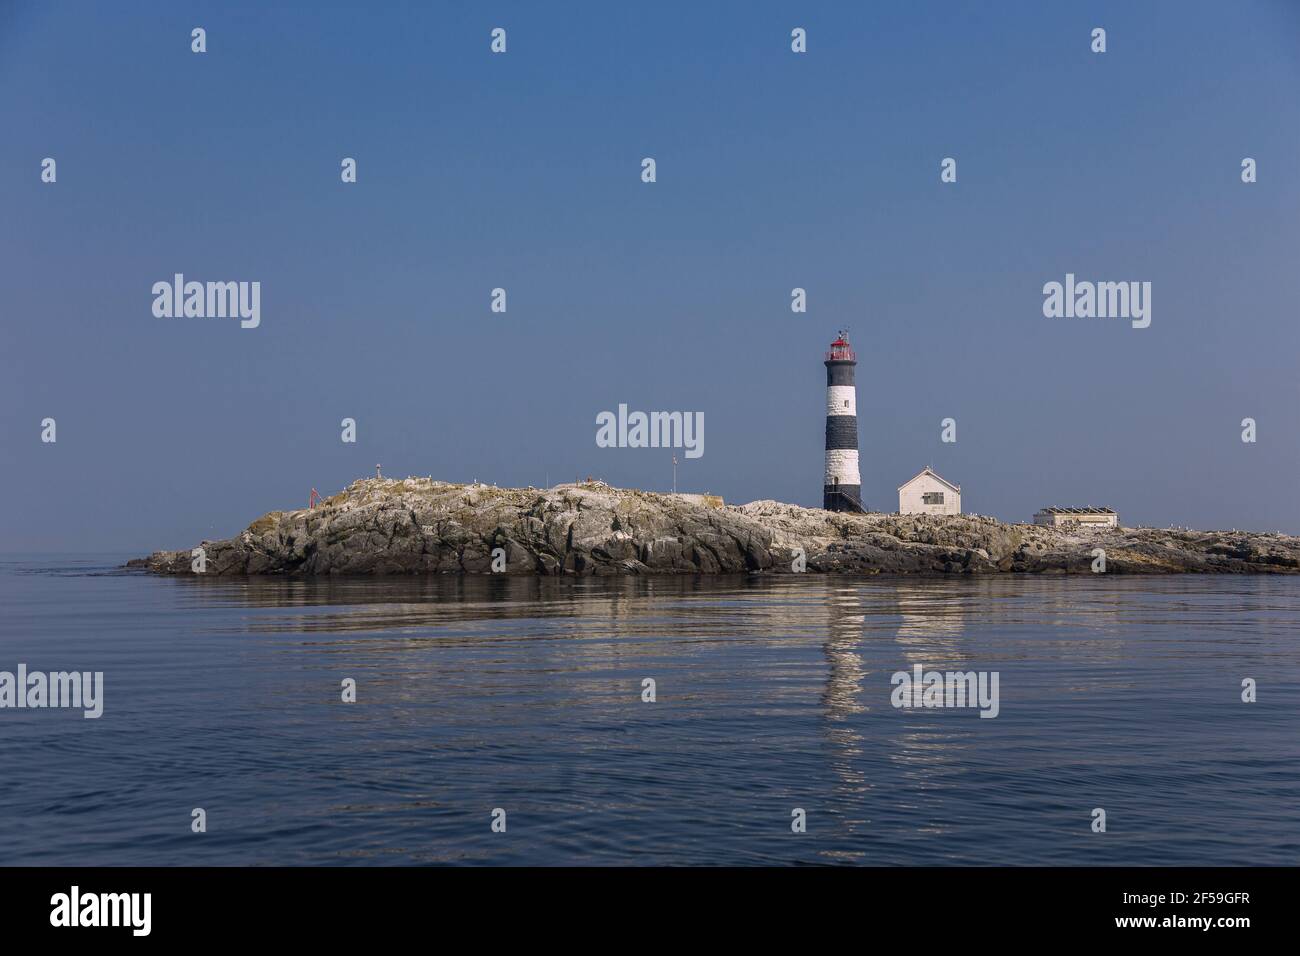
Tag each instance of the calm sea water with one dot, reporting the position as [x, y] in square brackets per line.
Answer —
[773, 693]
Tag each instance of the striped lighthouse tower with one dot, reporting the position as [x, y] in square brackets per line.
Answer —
[843, 487]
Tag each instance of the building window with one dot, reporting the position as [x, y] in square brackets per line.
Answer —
[846, 403]
[932, 498]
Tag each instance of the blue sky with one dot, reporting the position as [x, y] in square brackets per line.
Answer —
[522, 170]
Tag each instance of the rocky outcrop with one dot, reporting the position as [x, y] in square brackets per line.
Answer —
[419, 526]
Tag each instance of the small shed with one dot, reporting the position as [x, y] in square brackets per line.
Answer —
[929, 493]
[1083, 517]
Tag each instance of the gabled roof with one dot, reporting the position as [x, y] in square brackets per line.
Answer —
[1076, 511]
[927, 470]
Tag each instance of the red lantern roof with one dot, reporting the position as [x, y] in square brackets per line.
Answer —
[841, 351]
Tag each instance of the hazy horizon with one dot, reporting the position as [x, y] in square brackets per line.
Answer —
[522, 170]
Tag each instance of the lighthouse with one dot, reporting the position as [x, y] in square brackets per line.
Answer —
[842, 490]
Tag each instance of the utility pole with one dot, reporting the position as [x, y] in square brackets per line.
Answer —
[674, 474]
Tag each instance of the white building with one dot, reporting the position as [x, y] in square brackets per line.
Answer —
[929, 494]
[1084, 517]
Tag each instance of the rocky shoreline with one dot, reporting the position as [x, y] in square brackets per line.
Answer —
[382, 526]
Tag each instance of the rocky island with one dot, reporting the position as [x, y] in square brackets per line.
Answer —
[380, 526]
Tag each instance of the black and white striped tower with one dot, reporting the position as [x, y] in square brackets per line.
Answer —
[843, 487]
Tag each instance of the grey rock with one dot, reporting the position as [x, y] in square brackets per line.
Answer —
[419, 526]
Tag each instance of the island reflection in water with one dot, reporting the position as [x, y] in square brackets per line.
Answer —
[772, 693]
